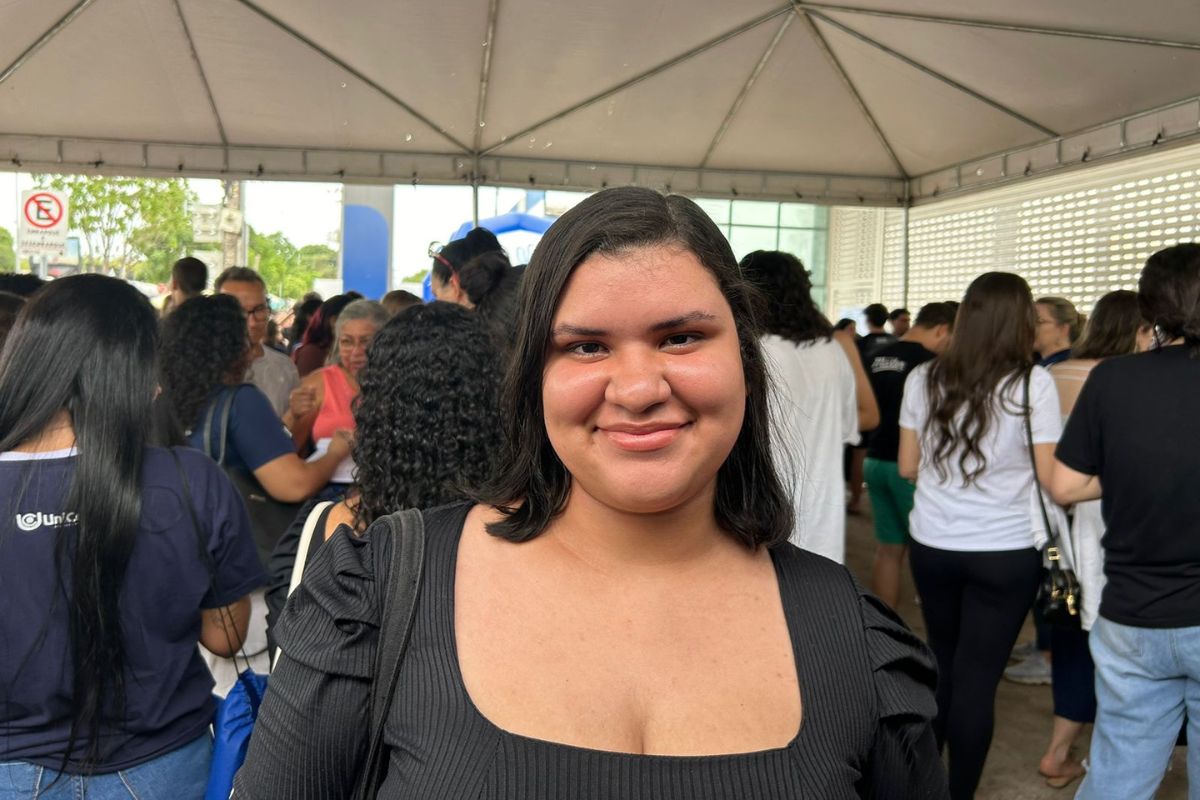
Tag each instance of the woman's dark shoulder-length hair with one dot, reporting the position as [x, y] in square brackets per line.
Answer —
[785, 292]
[1169, 292]
[1112, 328]
[427, 418]
[532, 485]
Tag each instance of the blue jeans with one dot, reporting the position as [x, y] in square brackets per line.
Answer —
[181, 774]
[1146, 678]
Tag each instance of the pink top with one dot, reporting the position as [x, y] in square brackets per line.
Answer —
[335, 414]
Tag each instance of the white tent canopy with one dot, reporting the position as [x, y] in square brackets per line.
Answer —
[883, 102]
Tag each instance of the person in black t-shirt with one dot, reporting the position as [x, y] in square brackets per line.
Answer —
[892, 496]
[1134, 430]
[877, 336]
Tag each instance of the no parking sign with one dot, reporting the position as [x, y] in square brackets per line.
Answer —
[43, 222]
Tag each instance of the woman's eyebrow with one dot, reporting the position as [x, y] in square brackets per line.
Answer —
[566, 329]
[685, 319]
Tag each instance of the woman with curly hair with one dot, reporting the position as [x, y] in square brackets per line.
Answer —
[427, 425]
[203, 359]
[963, 440]
[822, 400]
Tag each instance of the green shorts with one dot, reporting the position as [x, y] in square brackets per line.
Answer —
[891, 500]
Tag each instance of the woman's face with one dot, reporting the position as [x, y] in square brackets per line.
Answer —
[643, 389]
[1145, 338]
[352, 344]
[1052, 336]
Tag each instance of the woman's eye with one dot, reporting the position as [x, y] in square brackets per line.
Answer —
[587, 349]
[681, 339]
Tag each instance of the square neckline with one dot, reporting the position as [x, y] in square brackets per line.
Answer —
[460, 685]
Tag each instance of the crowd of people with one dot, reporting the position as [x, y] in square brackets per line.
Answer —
[634, 458]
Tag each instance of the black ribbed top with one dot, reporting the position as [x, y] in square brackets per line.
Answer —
[866, 684]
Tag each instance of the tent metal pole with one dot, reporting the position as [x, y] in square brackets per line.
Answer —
[905, 273]
[212, 103]
[475, 179]
[650, 73]
[931, 72]
[1007, 26]
[485, 72]
[741, 98]
[854, 94]
[50, 33]
[300, 37]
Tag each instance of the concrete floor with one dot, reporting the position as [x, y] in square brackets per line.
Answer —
[1023, 713]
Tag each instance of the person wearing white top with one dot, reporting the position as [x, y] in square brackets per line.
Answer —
[820, 401]
[963, 439]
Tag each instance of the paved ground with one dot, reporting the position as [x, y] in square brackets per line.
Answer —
[1023, 713]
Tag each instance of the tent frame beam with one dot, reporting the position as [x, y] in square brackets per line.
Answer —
[1007, 26]
[41, 41]
[636, 79]
[833, 60]
[485, 72]
[1170, 125]
[930, 71]
[212, 102]
[360, 76]
[745, 91]
[39, 153]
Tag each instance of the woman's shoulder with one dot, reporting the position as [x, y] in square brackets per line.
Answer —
[903, 667]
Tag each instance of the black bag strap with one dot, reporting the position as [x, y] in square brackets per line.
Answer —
[205, 556]
[224, 401]
[406, 530]
[1052, 552]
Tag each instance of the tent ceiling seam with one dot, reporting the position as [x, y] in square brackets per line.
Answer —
[745, 91]
[295, 34]
[931, 72]
[650, 73]
[849, 84]
[1008, 26]
[212, 102]
[41, 41]
[485, 72]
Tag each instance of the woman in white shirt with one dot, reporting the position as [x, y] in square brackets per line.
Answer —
[821, 399]
[963, 438]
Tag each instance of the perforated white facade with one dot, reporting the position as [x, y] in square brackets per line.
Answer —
[1077, 235]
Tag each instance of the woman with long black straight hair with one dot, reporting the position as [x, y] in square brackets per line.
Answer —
[963, 438]
[106, 585]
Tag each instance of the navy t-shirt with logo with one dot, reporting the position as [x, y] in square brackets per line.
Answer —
[888, 370]
[168, 688]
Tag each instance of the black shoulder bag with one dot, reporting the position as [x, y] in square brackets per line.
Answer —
[406, 529]
[1059, 596]
[269, 518]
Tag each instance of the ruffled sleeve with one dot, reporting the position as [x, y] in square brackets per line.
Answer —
[310, 737]
[905, 763]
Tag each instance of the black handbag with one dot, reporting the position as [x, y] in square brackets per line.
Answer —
[269, 518]
[1060, 596]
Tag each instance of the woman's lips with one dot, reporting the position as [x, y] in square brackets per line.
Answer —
[642, 441]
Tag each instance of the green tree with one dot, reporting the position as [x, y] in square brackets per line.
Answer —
[290, 271]
[131, 226]
[8, 256]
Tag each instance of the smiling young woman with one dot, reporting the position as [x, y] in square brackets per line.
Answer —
[619, 614]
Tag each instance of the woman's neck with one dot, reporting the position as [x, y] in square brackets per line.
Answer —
[610, 539]
[59, 434]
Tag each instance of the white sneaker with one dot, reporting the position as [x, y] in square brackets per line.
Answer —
[1033, 671]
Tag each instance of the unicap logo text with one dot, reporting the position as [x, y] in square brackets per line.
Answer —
[36, 519]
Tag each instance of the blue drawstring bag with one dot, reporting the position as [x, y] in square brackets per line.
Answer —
[232, 726]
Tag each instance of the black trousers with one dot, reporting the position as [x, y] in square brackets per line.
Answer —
[974, 604]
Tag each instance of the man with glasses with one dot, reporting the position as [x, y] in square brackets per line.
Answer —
[271, 371]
